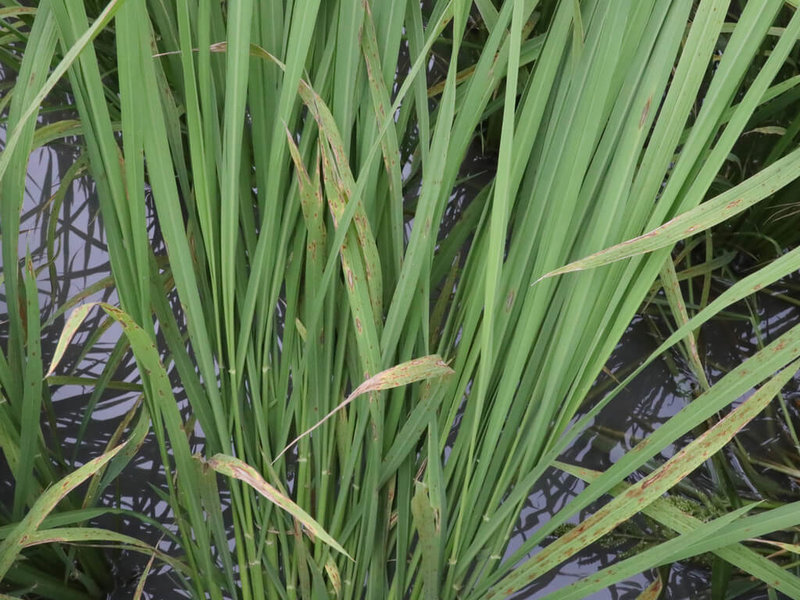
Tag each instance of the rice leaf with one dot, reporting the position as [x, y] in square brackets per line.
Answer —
[397, 376]
[648, 489]
[71, 327]
[663, 553]
[710, 213]
[13, 138]
[652, 591]
[666, 513]
[233, 467]
[18, 538]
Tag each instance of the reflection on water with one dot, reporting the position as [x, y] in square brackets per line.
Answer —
[84, 424]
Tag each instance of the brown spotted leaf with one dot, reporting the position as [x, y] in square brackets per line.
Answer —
[402, 374]
[715, 211]
[642, 494]
[18, 538]
[233, 467]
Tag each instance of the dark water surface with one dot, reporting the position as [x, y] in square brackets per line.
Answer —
[79, 261]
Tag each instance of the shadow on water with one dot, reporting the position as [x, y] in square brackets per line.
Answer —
[82, 425]
[61, 230]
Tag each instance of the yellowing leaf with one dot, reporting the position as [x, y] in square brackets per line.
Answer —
[402, 374]
[233, 467]
[715, 211]
[653, 591]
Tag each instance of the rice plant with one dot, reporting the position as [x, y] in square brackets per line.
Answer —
[383, 349]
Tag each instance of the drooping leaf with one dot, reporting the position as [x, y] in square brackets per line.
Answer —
[20, 535]
[233, 467]
[400, 375]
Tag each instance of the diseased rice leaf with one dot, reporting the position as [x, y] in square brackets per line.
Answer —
[400, 375]
[233, 467]
[18, 538]
[710, 213]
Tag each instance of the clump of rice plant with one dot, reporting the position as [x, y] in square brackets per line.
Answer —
[301, 158]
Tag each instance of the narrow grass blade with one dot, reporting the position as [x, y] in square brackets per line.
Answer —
[15, 11]
[429, 535]
[99, 536]
[652, 591]
[70, 329]
[635, 498]
[100, 22]
[335, 577]
[403, 374]
[389, 143]
[672, 291]
[233, 467]
[30, 428]
[239, 26]
[661, 554]
[17, 539]
[137, 594]
[666, 513]
[715, 211]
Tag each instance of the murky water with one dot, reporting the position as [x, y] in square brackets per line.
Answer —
[78, 261]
